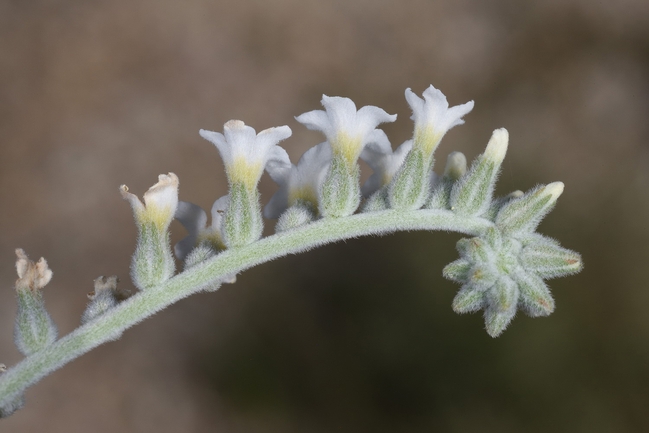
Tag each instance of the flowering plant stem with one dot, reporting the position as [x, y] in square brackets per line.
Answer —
[110, 325]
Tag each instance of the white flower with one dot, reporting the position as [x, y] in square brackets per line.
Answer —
[194, 219]
[301, 182]
[433, 118]
[346, 129]
[160, 202]
[244, 152]
[383, 162]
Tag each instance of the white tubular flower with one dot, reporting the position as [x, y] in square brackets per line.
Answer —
[194, 219]
[153, 261]
[244, 152]
[160, 202]
[346, 129]
[299, 182]
[433, 118]
[384, 163]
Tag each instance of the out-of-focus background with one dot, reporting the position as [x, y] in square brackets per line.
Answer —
[352, 337]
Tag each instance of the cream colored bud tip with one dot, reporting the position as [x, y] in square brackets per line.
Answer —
[515, 194]
[3, 368]
[497, 146]
[555, 189]
[455, 165]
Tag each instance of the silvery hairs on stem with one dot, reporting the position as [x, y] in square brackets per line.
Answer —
[502, 267]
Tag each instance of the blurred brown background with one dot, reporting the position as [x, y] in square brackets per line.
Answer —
[353, 337]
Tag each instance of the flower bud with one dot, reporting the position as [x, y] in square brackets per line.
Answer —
[410, 187]
[468, 300]
[454, 170]
[103, 298]
[472, 194]
[34, 329]
[502, 301]
[549, 260]
[295, 216]
[525, 213]
[499, 202]
[536, 299]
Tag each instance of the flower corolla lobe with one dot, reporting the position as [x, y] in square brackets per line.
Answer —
[433, 118]
[244, 152]
[347, 129]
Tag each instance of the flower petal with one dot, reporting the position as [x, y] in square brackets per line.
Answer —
[279, 165]
[268, 138]
[191, 216]
[218, 139]
[316, 120]
[277, 204]
[369, 117]
[341, 112]
[164, 194]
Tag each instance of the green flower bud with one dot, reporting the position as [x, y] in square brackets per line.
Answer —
[377, 201]
[525, 213]
[549, 260]
[472, 194]
[105, 296]
[502, 301]
[410, 186]
[468, 300]
[295, 216]
[440, 197]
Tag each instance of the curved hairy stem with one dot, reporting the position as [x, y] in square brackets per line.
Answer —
[110, 325]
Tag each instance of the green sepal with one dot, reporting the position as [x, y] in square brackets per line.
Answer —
[441, 195]
[476, 249]
[483, 276]
[535, 297]
[409, 188]
[524, 214]
[549, 260]
[471, 194]
[377, 201]
[295, 216]
[153, 261]
[102, 299]
[498, 203]
[198, 255]
[34, 329]
[468, 300]
[458, 271]
[340, 193]
[502, 300]
[494, 238]
[242, 222]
